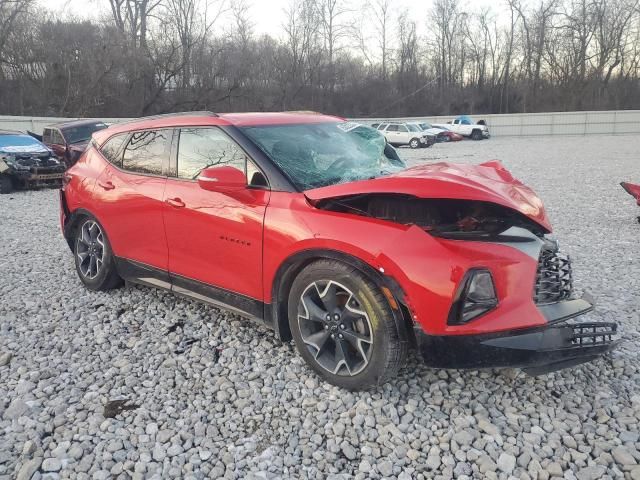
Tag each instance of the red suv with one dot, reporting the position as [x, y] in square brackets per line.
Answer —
[314, 225]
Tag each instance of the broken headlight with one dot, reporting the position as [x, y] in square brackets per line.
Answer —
[476, 296]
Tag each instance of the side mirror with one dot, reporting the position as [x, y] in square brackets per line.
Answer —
[218, 179]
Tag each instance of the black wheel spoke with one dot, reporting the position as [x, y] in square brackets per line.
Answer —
[318, 340]
[316, 313]
[329, 297]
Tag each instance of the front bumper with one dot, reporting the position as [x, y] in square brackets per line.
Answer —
[539, 350]
[485, 134]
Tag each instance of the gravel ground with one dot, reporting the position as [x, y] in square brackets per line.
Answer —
[137, 383]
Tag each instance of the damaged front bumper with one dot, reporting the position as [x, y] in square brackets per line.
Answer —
[561, 343]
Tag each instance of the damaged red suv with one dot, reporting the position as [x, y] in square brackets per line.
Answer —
[314, 225]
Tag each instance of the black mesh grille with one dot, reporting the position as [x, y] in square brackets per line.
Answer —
[554, 281]
[593, 334]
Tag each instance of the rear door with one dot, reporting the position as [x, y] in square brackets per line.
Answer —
[130, 194]
[393, 134]
[215, 237]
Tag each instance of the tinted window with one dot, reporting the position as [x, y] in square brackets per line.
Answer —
[392, 128]
[112, 149]
[146, 151]
[82, 133]
[200, 148]
[402, 128]
[56, 137]
[46, 135]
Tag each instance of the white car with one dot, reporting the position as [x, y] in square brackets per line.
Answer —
[427, 128]
[466, 127]
[398, 134]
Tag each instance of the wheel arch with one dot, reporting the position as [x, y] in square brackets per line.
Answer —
[73, 221]
[293, 265]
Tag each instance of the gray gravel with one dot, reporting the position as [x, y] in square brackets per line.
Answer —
[92, 385]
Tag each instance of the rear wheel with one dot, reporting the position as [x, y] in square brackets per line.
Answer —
[94, 259]
[343, 326]
[414, 143]
[6, 185]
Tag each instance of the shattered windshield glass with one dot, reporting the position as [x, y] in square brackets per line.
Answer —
[321, 154]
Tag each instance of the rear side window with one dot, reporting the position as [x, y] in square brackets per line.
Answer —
[46, 135]
[200, 148]
[112, 149]
[146, 151]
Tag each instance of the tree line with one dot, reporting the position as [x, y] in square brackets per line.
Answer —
[346, 57]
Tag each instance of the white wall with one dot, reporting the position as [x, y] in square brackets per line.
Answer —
[518, 124]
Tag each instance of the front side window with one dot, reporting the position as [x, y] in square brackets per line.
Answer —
[402, 128]
[147, 151]
[321, 154]
[392, 128]
[112, 149]
[200, 148]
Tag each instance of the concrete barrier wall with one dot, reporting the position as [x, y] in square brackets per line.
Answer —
[514, 124]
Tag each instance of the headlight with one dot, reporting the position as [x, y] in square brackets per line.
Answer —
[476, 296]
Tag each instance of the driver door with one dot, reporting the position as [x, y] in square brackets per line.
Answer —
[214, 237]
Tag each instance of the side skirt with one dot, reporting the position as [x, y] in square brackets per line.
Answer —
[137, 272]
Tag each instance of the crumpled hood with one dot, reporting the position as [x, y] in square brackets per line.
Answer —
[20, 144]
[487, 182]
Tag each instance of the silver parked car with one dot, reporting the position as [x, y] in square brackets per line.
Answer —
[399, 134]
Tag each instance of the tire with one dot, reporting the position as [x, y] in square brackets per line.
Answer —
[476, 135]
[361, 329]
[414, 143]
[90, 240]
[6, 185]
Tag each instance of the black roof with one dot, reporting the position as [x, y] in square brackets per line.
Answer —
[75, 123]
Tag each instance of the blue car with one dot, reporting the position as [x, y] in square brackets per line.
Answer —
[26, 162]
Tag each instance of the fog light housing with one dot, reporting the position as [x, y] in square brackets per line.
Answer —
[476, 296]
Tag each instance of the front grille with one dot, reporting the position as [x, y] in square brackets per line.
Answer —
[554, 281]
[592, 334]
[47, 169]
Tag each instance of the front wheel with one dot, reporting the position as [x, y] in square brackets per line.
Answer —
[6, 185]
[414, 143]
[94, 259]
[476, 135]
[343, 326]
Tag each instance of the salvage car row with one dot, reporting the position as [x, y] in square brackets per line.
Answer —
[420, 133]
[29, 160]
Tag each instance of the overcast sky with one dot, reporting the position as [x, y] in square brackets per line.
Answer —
[266, 15]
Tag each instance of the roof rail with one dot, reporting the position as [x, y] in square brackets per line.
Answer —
[168, 115]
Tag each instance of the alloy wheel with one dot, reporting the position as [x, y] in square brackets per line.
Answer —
[90, 249]
[334, 328]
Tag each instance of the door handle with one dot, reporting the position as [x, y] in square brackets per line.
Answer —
[107, 185]
[175, 202]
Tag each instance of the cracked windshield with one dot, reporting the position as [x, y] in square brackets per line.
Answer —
[321, 154]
